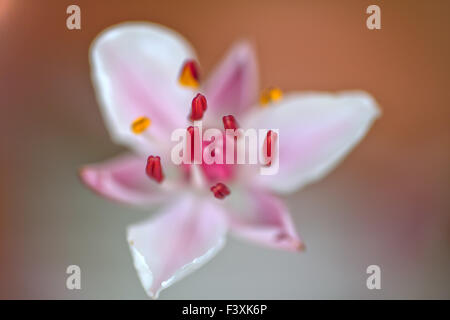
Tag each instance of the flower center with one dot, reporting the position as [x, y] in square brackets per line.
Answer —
[215, 172]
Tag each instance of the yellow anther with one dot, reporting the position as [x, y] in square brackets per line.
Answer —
[270, 95]
[189, 75]
[140, 125]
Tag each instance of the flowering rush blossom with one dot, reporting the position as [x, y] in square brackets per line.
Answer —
[148, 84]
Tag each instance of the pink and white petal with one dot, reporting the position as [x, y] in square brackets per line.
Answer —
[262, 218]
[135, 70]
[232, 88]
[176, 242]
[316, 131]
[123, 179]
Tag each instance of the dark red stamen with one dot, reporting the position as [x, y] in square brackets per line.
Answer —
[190, 141]
[154, 169]
[199, 106]
[229, 122]
[220, 190]
[270, 139]
[269, 143]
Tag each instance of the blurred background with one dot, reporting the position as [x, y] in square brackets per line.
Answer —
[387, 204]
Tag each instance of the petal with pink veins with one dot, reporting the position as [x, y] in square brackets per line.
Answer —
[316, 131]
[176, 242]
[262, 218]
[135, 70]
[123, 179]
[232, 88]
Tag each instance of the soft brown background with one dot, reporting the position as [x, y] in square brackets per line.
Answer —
[387, 204]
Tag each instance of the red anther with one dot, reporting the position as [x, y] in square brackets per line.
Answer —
[192, 66]
[220, 190]
[189, 75]
[229, 122]
[198, 107]
[267, 151]
[154, 169]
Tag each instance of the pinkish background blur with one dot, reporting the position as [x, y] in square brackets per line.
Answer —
[387, 204]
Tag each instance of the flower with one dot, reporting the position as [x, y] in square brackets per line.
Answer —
[147, 82]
